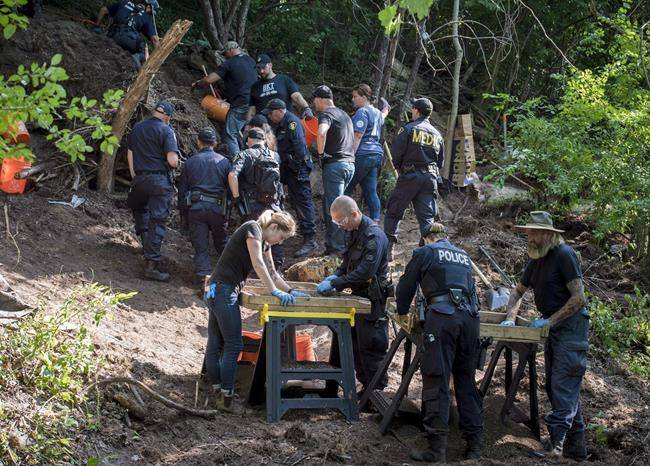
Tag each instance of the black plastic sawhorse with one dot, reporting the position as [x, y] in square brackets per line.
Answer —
[270, 374]
[527, 353]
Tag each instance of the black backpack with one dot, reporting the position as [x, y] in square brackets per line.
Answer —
[267, 176]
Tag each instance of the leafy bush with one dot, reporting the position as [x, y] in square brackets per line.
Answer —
[623, 333]
[592, 147]
[45, 361]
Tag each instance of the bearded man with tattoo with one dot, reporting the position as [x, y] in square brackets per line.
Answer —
[555, 276]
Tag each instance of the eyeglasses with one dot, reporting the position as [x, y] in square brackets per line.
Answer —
[341, 223]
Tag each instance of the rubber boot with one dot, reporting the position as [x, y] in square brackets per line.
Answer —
[474, 447]
[309, 245]
[437, 452]
[553, 446]
[227, 403]
[391, 247]
[152, 272]
[575, 446]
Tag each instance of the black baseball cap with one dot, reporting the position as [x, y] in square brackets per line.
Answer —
[423, 104]
[256, 133]
[258, 121]
[276, 104]
[208, 135]
[165, 107]
[324, 92]
[263, 60]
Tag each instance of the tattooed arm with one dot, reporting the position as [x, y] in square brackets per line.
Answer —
[515, 301]
[576, 302]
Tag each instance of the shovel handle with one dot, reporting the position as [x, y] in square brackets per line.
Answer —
[483, 278]
[205, 72]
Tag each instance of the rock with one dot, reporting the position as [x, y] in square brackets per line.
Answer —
[313, 269]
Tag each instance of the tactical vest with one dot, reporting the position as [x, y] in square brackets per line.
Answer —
[453, 269]
[126, 16]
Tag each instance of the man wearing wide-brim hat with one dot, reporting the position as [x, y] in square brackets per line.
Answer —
[555, 276]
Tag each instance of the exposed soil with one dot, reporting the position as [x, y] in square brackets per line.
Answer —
[159, 335]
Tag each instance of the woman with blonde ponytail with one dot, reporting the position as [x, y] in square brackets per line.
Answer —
[249, 248]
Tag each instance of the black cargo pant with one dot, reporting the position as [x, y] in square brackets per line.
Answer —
[451, 346]
[421, 189]
[205, 219]
[370, 343]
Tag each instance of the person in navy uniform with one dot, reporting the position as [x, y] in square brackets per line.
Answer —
[275, 86]
[368, 122]
[365, 271]
[238, 75]
[554, 274]
[202, 188]
[152, 153]
[450, 340]
[129, 20]
[418, 154]
[295, 168]
[254, 182]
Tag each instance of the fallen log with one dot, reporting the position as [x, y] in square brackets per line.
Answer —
[105, 176]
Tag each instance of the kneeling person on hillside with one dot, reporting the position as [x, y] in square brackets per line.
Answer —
[202, 189]
[451, 337]
[365, 270]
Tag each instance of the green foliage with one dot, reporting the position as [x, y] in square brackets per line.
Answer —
[47, 359]
[35, 94]
[390, 18]
[592, 147]
[623, 332]
[10, 20]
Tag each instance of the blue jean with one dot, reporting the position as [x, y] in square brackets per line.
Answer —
[235, 121]
[565, 360]
[336, 177]
[150, 199]
[366, 173]
[224, 336]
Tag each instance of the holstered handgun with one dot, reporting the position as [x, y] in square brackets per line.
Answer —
[420, 305]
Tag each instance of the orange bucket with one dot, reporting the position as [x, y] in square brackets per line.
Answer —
[9, 168]
[311, 130]
[17, 133]
[216, 108]
[252, 343]
[304, 348]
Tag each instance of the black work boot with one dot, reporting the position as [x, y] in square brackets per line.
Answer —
[152, 272]
[143, 238]
[474, 447]
[554, 445]
[575, 446]
[308, 245]
[391, 247]
[437, 452]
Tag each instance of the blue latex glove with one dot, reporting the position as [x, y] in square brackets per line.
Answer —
[211, 293]
[507, 323]
[285, 298]
[331, 277]
[299, 294]
[539, 323]
[325, 287]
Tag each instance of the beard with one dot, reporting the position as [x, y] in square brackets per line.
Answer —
[537, 251]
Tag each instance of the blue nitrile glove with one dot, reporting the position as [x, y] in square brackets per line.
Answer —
[285, 298]
[299, 294]
[331, 277]
[325, 287]
[98, 30]
[211, 293]
[507, 323]
[539, 323]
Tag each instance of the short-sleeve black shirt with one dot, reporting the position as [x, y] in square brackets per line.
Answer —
[279, 87]
[234, 264]
[548, 277]
[238, 74]
[340, 136]
[150, 141]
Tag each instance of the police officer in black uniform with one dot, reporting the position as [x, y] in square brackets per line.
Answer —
[202, 189]
[152, 153]
[257, 170]
[450, 340]
[365, 270]
[418, 154]
[296, 165]
[130, 19]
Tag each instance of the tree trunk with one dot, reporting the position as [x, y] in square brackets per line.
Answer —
[105, 176]
[210, 27]
[381, 62]
[451, 124]
[241, 26]
[390, 57]
[419, 55]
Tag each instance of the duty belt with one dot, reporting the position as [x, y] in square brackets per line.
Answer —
[433, 169]
[151, 172]
[200, 197]
[455, 296]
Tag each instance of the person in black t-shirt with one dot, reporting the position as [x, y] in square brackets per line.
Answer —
[238, 74]
[275, 86]
[555, 276]
[335, 150]
[247, 249]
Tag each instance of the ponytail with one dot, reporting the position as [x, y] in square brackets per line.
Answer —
[282, 219]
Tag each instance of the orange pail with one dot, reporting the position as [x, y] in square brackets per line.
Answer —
[17, 133]
[9, 168]
[304, 348]
[311, 130]
[216, 108]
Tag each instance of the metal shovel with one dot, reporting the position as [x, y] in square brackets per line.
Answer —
[496, 297]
